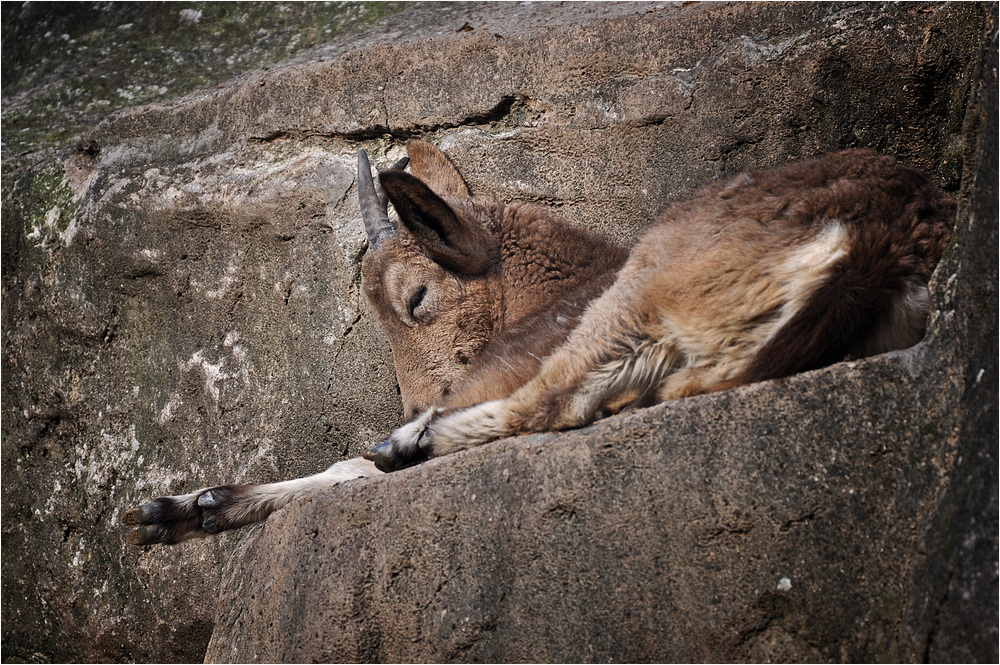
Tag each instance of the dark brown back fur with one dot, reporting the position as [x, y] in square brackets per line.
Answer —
[889, 210]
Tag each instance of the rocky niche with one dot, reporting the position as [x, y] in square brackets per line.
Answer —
[181, 307]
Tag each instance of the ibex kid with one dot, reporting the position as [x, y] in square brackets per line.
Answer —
[504, 321]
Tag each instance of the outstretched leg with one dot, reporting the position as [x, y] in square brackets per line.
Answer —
[173, 519]
[619, 350]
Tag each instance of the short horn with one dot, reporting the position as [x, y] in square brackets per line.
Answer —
[374, 208]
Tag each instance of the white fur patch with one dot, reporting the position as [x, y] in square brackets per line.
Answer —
[261, 500]
[804, 269]
[407, 438]
[643, 370]
[470, 427]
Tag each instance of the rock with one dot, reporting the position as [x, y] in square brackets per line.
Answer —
[181, 307]
[847, 514]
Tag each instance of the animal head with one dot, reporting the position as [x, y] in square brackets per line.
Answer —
[432, 276]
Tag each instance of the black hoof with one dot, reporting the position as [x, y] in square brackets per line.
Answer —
[388, 459]
[146, 535]
[212, 524]
[147, 513]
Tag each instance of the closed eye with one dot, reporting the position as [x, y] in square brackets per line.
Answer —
[416, 299]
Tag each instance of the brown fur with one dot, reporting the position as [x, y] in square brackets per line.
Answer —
[502, 286]
[503, 320]
[760, 276]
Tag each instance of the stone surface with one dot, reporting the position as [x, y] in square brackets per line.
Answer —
[181, 307]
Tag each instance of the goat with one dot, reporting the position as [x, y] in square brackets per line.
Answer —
[470, 312]
[504, 321]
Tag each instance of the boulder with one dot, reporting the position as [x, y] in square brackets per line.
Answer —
[181, 307]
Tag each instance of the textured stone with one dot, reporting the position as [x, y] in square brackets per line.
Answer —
[181, 307]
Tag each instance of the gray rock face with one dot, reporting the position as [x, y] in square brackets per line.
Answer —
[181, 308]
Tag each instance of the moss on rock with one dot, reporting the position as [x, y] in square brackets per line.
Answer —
[68, 65]
[44, 201]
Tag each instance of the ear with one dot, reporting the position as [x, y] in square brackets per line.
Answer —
[434, 168]
[450, 238]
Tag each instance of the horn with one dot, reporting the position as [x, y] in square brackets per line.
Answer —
[374, 204]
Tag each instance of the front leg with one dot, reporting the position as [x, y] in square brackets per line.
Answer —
[439, 432]
[173, 519]
[619, 349]
[555, 400]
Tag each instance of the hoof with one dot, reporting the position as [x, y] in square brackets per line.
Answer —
[382, 456]
[173, 519]
[147, 513]
[211, 524]
[146, 535]
[387, 458]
